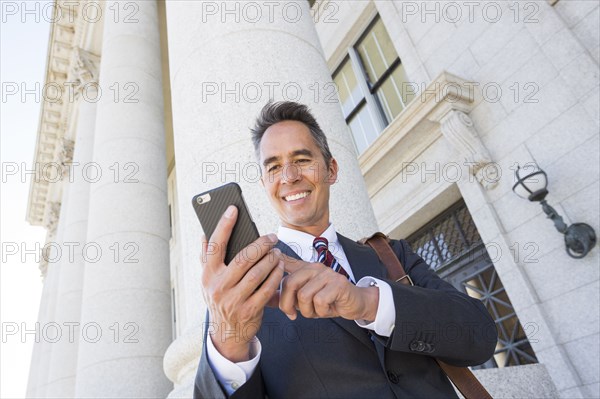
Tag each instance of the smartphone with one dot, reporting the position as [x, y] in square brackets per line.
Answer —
[211, 205]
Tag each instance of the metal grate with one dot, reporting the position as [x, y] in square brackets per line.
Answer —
[513, 347]
[446, 237]
[451, 245]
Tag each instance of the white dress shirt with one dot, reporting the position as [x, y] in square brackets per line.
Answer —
[233, 375]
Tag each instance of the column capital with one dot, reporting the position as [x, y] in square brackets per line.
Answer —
[458, 128]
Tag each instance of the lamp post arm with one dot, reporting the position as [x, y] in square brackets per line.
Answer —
[556, 218]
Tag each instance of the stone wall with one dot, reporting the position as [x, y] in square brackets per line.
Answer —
[536, 65]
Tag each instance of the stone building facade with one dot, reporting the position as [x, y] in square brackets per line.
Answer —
[428, 107]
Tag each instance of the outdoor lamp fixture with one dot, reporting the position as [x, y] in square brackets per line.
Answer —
[580, 238]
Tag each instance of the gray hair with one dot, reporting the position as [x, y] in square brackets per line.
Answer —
[275, 112]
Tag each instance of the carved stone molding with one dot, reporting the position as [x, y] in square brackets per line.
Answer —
[459, 130]
[52, 218]
[441, 110]
[43, 268]
[54, 114]
[65, 155]
[84, 68]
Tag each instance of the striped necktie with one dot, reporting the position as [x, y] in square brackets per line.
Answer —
[326, 257]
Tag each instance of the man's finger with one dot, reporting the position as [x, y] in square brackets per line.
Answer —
[254, 252]
[289, 290]
[287, 299]
[217, 245]
[251, 280]
[324, 302]
[306, 294]
[249, 257]
[204, 247]
[273, 302]
[268, 293]
[292, 265]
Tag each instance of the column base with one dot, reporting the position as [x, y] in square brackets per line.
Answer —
[181, 362]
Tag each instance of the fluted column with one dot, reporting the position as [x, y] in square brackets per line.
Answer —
[125, 312]
[31, 391]
[42, 350]
[63, 364]
[226, 60]
[41, 353]
[54, 254]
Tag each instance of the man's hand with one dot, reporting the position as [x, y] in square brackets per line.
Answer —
[235, 300]
[318, 291]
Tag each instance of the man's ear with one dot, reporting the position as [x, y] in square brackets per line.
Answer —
[332, 171]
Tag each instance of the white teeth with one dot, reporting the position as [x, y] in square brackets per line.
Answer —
[296, 196]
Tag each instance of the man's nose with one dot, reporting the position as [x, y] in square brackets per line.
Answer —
[291, 173]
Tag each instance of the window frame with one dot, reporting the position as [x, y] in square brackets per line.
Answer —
[467, 264]
[368, 89]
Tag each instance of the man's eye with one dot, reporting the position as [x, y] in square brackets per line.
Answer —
[303, 160]
[272, 168]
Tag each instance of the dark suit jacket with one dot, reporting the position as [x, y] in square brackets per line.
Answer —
[315, 358]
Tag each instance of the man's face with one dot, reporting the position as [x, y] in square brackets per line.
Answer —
[296, 177]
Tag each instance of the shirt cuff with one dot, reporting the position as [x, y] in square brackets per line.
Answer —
[385, 317]
[232, 375]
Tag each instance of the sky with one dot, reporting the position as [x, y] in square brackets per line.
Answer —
[23, 52]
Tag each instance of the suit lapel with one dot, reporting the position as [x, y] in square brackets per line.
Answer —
[363, 260]
[349, 325]
[286, 250]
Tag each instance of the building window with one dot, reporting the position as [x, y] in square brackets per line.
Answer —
[371, 83]
[452, 246]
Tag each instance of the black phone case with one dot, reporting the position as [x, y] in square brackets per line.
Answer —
[211, 205]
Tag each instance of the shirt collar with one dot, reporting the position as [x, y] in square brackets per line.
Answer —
[302, 243]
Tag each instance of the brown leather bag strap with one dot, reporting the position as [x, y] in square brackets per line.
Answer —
[380, 243]
[465, 381]
[462, 378]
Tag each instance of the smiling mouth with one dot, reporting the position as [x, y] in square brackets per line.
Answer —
[297, 196]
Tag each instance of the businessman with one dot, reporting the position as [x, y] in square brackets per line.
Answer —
[313, 314]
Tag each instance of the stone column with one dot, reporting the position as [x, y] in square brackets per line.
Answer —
[31, 391]
[226, 60]
[45, 330]
[42, 349]
[40, 354]
[63, 364]
[125, 311]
